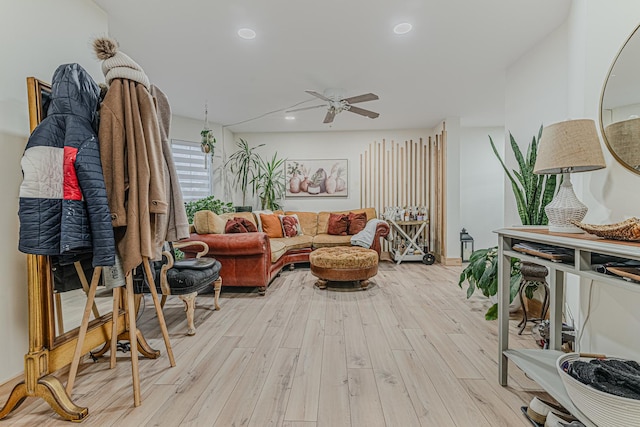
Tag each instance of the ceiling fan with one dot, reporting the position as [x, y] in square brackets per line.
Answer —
[335, 104]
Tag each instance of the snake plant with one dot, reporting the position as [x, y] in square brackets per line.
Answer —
[532, 192]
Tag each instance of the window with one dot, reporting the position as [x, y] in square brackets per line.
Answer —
[193, 172]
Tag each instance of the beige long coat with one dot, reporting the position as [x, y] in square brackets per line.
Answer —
[132, 164]
[174, 226]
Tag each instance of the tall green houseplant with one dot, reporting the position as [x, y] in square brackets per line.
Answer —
[244, 164]
[269, 182]
[532, 192]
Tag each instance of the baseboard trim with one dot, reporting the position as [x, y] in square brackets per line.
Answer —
[452, 261]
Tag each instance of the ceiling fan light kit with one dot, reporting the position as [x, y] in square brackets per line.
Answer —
[336, 103]
[402, 28]
[247, 33]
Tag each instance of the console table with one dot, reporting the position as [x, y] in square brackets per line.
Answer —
[540, 365]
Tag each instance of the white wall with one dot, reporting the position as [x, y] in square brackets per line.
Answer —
[327, 145]
[37, 36]
[481, 185]
[536, 93]
[452, 188]
[562, 78]
[611, 193]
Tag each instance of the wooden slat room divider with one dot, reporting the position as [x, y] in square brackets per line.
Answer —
[397, 174]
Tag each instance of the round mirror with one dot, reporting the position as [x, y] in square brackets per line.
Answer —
[620, 105]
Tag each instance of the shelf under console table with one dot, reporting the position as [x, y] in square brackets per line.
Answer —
[540, 365]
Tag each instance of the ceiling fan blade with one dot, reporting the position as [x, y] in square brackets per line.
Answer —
[317, 95]
[363, 112]
[306, 108]
[362, 98]
[330, 115]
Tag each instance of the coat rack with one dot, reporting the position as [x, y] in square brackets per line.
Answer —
[48, 353]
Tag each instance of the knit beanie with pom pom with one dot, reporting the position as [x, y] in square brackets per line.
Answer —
[116, 64]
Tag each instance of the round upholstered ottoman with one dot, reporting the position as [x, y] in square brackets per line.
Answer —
[344, 264]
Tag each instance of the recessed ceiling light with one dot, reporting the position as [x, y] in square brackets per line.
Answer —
[402, 28]
[289, 118]
[247, 33]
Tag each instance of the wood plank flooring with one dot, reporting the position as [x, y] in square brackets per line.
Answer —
[409, 351]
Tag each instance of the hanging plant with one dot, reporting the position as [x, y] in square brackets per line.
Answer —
[207, 141]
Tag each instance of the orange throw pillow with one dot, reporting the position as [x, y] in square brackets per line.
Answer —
[357, 222]
[271, 225]
[338, 224]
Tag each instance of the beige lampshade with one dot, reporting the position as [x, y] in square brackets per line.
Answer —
[570, 146]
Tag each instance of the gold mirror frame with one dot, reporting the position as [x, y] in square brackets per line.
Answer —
[622, 137]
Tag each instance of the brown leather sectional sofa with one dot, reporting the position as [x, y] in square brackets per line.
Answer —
[254, 259]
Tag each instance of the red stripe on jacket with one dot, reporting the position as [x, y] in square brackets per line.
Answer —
[71, 188]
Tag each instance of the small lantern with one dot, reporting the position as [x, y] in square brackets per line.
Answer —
[466, 245]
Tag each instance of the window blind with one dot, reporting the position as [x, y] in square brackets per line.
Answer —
[193, 174]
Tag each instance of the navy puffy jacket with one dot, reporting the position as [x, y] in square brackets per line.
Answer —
[63, 201]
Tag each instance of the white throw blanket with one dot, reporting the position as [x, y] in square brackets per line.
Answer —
[365, 237]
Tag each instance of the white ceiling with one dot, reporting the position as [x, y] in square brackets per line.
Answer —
[451, 65]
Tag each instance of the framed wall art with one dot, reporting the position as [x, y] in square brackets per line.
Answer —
[317, 178]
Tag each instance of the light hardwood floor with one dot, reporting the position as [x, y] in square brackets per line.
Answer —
[409, 351]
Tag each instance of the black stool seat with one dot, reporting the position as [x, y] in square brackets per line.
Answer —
[183, 278]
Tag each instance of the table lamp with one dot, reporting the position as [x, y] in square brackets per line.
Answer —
[565, 147]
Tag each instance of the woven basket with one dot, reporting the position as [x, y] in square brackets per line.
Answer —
[628, 229]
[603, 409]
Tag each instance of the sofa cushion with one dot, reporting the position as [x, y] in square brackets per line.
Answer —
[244, 215]
[256, 216]
[327, 240]
[271, 225]
[323, 217]
[290, 225]
[207, 222]
[278, 248]
[338, 224]
[234, 226]
[357, 222]
[240, 225]
[297, 242]
[308, 222]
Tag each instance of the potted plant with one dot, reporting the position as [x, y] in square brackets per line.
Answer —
[208, 203]
[269, 182]
[482, 273]
[244, 164]
[207, 141]
[532, 192]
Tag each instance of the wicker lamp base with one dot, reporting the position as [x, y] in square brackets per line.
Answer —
[564, 208]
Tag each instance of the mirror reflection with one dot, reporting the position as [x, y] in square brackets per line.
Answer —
[620, 105]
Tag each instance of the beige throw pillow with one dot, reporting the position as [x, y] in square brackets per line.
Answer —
[208, 222]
